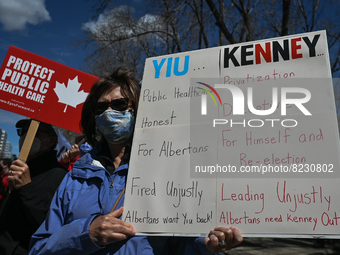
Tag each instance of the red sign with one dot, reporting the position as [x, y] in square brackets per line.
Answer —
[43, 89]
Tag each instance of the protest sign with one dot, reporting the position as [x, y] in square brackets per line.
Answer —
[242, 135]
[43, 89]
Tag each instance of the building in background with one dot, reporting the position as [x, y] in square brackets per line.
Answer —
[8, 151]
[3, 140]
[5, 146]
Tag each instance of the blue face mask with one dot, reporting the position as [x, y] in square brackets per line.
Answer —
[116, 126]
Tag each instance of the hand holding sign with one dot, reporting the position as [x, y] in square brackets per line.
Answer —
[106, 229]
[19, 174]
[221, 239]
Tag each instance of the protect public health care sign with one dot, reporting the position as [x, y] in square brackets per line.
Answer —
[42, 89]
[242, 135]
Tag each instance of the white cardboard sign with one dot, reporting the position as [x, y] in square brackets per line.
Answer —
[269, 168]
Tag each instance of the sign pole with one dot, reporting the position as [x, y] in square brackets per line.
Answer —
[26, 147]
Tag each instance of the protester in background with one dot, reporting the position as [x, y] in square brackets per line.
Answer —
[80, 219]
[70, 156]
[33, 184]
[5, 163]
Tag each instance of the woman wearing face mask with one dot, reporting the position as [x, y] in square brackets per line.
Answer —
[81, 218]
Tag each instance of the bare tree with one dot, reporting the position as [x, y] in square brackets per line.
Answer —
[119, 39]
[123, 36]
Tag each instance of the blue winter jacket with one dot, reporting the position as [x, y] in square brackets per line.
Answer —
[87, 191]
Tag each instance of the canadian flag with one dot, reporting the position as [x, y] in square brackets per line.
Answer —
[43, 89]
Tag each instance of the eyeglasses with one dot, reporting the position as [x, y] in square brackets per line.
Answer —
[118, 104]
[23, 131]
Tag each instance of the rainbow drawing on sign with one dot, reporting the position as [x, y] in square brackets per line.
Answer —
[204, 97]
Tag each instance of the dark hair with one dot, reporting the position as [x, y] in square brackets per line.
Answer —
[130, 88]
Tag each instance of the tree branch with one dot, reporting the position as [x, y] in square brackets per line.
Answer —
[220, 23]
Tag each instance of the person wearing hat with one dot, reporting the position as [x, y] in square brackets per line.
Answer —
[33, 183]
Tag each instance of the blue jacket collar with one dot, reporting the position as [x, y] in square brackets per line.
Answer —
[86, 167]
